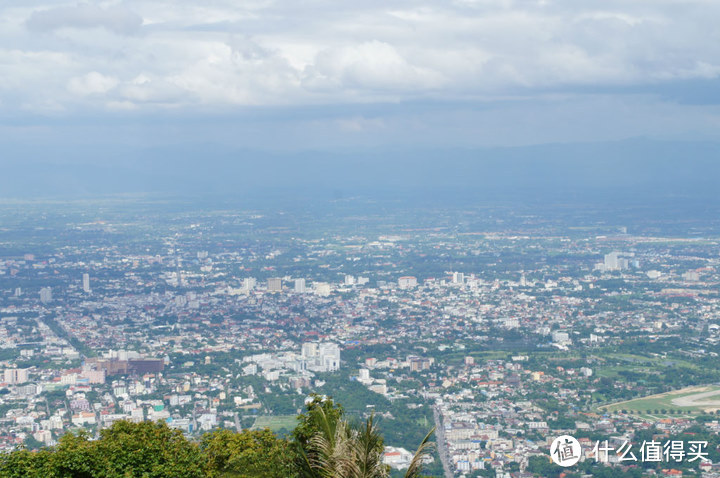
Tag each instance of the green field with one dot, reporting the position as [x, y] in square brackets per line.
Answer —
[275, 422]
[625, 362]
[688, 401]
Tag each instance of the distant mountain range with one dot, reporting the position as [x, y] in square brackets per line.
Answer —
[631, 170]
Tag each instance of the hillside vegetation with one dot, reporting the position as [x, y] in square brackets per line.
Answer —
[323, 445]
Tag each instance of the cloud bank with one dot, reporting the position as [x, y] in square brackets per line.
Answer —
[373, 73]
[114, 19]
[69, 56]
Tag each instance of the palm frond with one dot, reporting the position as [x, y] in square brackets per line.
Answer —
[423, 450]
[368, 450]
[305, 468]
[333, 452]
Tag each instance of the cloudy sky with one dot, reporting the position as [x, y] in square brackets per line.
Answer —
[276, 74]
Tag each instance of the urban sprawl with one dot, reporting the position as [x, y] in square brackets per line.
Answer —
[502, 334]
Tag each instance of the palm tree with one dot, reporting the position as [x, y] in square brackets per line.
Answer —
[368, 451]
[422, 452]
[339, 450]
[333, 449]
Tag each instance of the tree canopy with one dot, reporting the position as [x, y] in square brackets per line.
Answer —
[323, 445]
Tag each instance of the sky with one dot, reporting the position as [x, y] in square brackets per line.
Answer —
[337, 75]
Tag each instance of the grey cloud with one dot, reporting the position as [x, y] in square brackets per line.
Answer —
[116, 19]
[216, 53]
[247, 49]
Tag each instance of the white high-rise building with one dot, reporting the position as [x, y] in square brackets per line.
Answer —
[300, 286]
[16, 375]
[45, 295]
[407, 282]
[329, 356]
[611, 261]
[691, 276]
[322, 289]
[458, 278]
[86, 283]
[274, 284]
[561, 337]
[320, 357]
[249, 284]
[309, 350]
[614, 262]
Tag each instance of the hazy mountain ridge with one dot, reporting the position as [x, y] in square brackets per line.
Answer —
[582, 171]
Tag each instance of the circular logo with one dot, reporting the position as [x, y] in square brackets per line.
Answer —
[565, 450]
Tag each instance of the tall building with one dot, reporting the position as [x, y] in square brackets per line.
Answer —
[614, 262]
[309, 350]
[45, 295]
[320, 357]
[86, 283]
[611, 261]
[329, 356]
[274, 284]
[16, 375]
[322, 289]
[300, 286]
[458, 278]
[691, 276]
[407, 282]
[249, 284]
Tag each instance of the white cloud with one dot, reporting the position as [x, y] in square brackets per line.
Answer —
[83, 16]
[92, 84]
[220, 53]
[370, 65]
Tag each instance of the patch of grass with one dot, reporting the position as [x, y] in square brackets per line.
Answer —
[275, 423]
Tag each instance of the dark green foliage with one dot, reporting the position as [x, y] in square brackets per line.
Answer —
[309, 423]
[147, 450]
[247, 454]
[324, 444]
[542, 466]
[562, 423]
[24, 464]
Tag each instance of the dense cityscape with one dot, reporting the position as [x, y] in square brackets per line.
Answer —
[502, 329]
